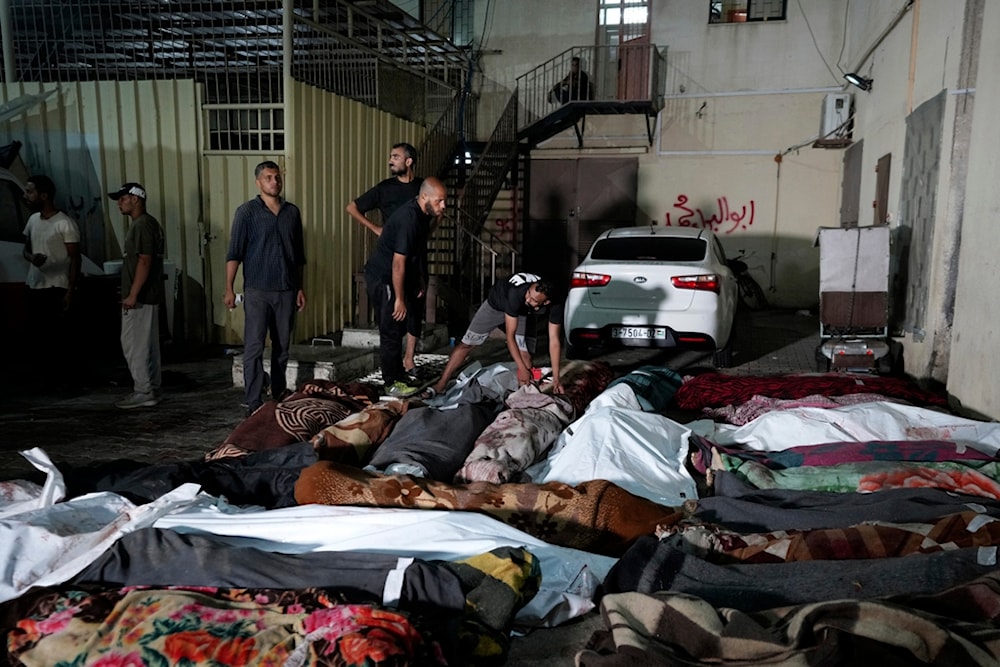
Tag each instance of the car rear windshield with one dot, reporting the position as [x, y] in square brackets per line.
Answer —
[651, 249]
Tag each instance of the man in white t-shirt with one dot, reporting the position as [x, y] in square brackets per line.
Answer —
[52, 249]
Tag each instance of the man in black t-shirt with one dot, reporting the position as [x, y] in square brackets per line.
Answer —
[394, 278]
[510, 304]
[388, 195]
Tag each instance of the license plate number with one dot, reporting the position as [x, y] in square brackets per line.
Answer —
[641, 333]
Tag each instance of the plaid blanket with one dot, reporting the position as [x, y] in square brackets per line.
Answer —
[955, 627]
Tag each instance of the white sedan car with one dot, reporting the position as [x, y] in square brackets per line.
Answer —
[653, 287]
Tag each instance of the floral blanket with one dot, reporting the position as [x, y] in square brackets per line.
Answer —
[517, 437]
[876, 539]
[205, 626]
[136, 627]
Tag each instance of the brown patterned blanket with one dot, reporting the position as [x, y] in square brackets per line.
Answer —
[317, 404]
[595, 516]
[353, 439]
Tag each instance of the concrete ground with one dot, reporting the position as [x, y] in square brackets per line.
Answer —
[80, 425]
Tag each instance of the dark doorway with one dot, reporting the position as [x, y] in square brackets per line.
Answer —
[570, 202]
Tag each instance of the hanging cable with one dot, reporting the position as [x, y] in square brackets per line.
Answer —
[815, 43]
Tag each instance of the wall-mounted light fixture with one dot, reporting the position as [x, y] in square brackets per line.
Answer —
[856, 79]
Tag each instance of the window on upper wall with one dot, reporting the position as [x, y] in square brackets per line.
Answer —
[622, 20]
[241, 128]
[745, 11]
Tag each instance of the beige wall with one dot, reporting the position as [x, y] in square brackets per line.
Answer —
[338, 149]
[758, 88]
[90, 137]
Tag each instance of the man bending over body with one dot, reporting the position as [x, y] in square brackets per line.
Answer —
[512, 306]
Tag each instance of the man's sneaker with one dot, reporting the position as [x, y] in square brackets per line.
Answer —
[400, 389]
[138, 400]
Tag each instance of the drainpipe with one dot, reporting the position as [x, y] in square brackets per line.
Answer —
[287, 53]
[7, 38]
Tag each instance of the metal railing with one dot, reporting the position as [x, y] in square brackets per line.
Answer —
[631, 72]
[490, 170]
[486, 258]
[437, 151]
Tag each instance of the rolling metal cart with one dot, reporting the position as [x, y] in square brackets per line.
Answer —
[854, 267]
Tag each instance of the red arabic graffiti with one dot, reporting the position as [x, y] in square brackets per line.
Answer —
[508, 225]
[724, 220]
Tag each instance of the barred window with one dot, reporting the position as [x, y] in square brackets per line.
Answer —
[238, 128]
[744, 11]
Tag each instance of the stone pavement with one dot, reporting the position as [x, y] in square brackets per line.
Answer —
[201, 406]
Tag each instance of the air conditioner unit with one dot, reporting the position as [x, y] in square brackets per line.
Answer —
[836, 111]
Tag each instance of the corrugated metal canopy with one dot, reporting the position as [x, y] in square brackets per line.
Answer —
[161, 39]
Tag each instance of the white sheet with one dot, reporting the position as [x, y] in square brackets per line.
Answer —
[775, 431]
[47, 546]
[44, 543]
[641, 452]
[20, 496]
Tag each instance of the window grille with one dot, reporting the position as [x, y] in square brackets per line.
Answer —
[746, 11]
[234, 128]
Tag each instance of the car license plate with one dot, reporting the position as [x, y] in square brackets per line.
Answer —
[640, 333]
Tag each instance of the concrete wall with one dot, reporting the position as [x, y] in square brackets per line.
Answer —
[976, 338]
[933, 49]
[739, 96]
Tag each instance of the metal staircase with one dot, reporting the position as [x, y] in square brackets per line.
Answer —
[466, 257]
[623, 79]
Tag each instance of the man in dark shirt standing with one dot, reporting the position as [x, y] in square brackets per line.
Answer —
[388, 195]
[512, 305]
[394, 278]
[267, 240]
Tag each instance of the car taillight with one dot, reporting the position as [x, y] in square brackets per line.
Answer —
[709, 282]
[584, 279]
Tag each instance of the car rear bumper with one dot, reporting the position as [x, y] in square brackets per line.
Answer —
[602, 337]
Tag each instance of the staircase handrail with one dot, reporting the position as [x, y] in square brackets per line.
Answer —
[438, 148]
[491, 168]
[494, 240]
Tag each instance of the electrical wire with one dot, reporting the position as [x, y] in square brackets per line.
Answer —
[486, 30]
[843, 39]
[835, 130]
[815, 43]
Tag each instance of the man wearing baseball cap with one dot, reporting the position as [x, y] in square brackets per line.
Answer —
[142, 294]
